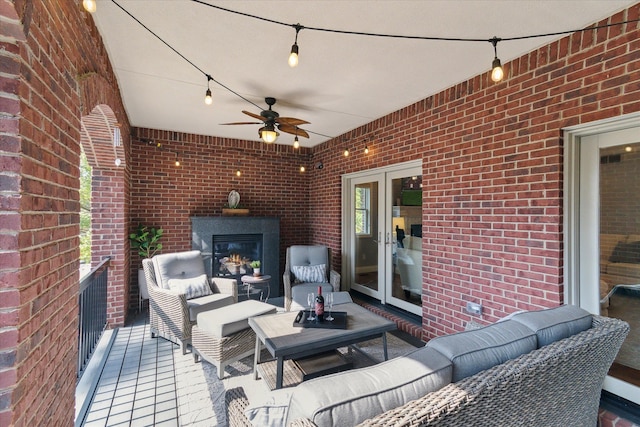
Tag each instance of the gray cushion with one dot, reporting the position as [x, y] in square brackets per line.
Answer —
[348, 398]
[479, 349]
[308, 255]
[210, 302]
[178, 265]
[228, 320]
[556, 323]
[192, 288]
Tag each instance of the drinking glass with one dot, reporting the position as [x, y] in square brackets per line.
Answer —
[311, 300]
[330, 302]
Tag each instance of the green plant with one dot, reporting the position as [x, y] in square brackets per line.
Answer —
[146, 241]
[255, 264]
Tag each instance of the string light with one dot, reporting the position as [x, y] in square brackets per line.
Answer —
[302, 168]
[497, 73]
[208, 99]
[366, 149]
[296, 143]
[238, 173]
[346, 152]
[89, 5]
[177, 163]
[293, 56]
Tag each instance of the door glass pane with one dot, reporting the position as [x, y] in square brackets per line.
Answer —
[366, 234]
[407, 239]
[620, 250]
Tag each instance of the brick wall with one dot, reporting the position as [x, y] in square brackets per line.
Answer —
[492, 171]
[45, 47]
[166, 196]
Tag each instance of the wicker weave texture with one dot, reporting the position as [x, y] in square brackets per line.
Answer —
[222, 351]
[556, 385]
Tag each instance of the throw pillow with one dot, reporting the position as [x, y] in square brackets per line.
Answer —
[193, 288]
[310, 273]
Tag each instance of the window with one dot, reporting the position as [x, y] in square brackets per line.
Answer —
[363, 209]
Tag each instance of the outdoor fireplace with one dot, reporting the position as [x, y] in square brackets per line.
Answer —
[229, 244]
[233, 253]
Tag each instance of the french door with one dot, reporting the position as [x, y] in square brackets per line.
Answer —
[382, 234]
[602, 252]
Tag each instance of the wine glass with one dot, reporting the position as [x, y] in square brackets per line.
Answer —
[330, 302]
[311, 300]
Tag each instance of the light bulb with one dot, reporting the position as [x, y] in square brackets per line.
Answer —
[497, 73]
[268, 133]
[208, 99]
[177, 163]
[89, 5]
[293, 56]
[296, 143]
[118, 162]
[238, 173]
[346, 152]
[366, 150]
[628, 149]
[302, 169]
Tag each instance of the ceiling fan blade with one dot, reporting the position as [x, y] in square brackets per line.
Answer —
[242, 123]
[255, 116]
[293, 130]
[291, 121]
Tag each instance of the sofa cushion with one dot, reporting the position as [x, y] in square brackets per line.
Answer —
[309, 273]
[233, 318]
[192, 288]
[179, 265]
[272, 412]
[479, 349]
[348, 398]
[210, 302]
[556, 323]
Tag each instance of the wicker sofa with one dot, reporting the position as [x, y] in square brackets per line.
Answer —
[557, 383]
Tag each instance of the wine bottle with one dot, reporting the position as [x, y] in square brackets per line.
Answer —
[320, 305]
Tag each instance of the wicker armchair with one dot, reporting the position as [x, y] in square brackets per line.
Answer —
[556, 385]
[171, 314]
[305, 256]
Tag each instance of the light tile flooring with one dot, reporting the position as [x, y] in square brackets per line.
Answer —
[149, 382]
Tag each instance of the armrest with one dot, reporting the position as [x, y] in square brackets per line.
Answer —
[237, 402]
[302, 422]
[334, 279]
[286, 280]
[225, 286]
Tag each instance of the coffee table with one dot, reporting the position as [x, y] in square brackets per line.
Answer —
[285, 341]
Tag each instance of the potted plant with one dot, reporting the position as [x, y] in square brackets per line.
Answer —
[256, 267]
[147, 241]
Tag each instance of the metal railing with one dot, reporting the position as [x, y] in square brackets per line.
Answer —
[92, 313]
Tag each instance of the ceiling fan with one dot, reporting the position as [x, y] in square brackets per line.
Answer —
[272, 120]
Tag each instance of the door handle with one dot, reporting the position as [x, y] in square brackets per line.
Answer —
[379, 238]
[388, 241]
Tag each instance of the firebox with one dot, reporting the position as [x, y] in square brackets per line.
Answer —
[233, 253]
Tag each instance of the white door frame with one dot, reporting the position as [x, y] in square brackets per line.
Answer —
[581, 217]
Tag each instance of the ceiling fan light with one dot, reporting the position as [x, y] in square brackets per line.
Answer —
[293, 56]
[89, 5]
[268, 134]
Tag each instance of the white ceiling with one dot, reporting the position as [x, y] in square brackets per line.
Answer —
[342, 81]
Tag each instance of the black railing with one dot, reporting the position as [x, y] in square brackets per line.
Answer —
[92, 318]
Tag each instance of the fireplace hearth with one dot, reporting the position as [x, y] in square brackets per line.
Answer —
[229, 244]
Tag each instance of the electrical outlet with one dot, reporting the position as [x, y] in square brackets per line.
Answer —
[474, 308]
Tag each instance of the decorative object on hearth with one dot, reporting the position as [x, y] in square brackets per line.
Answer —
[256, 267]
[233, 199]
[232, 207]
[273, 121]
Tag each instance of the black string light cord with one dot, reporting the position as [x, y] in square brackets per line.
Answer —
[299, 27]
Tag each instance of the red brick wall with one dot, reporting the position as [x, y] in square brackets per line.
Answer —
[46, 46]
[166, 196]
[492, 163]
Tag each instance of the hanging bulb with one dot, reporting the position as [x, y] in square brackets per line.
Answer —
[366, 149]
[293, 56]
[296, 143]
[208, 99]
[177, 163]
[238, 173]
[346, 152]
[89, 5]
[302, 169]
[497, 73]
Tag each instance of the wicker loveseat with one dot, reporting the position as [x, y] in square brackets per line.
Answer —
[557, 383]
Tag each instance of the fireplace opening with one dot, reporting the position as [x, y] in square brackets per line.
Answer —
[233, 254]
